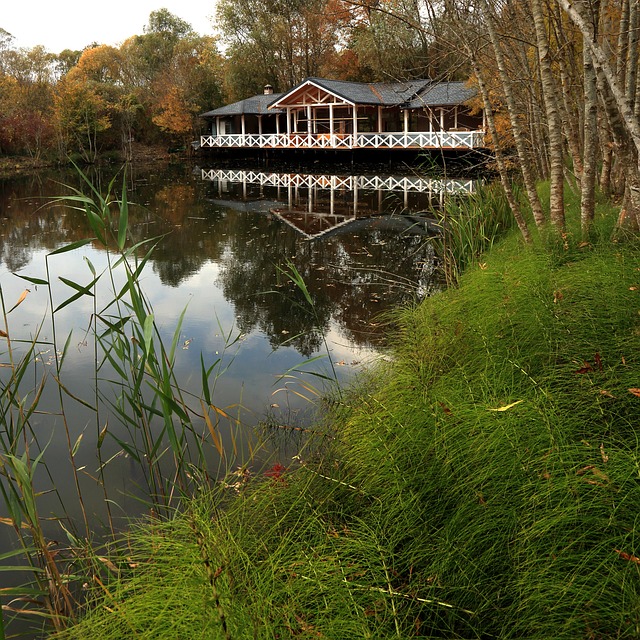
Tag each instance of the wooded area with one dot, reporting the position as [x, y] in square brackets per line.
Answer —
[558, 80]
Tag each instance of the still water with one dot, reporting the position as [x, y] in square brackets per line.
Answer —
[362, 244]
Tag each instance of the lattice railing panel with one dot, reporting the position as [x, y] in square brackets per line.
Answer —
[350, 183]
[416, 140]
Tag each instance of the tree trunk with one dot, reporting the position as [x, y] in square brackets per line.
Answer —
[587, 200]
[571, 105]
[554, 123]
[632, 53]
[518, 136]
[502, 168]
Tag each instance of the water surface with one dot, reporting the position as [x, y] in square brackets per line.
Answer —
[361, 243]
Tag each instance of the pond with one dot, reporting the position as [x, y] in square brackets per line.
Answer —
[228, 243]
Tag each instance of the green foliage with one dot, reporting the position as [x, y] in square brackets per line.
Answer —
[470, 226]
[482, 482]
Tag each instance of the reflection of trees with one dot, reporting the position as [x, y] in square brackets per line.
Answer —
[352, 277]
[262, 296]
[193, 232]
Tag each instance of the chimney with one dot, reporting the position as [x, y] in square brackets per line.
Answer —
[268, 89]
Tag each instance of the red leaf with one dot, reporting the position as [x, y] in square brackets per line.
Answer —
[587, 367]
[598, 361]
[276, 471]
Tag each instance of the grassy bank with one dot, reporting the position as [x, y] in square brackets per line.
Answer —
[484, 482]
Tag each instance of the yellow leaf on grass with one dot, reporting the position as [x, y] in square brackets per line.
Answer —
[507, 407]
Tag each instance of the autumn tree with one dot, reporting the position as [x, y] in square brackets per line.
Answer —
[175, 74]
[26, 83]
[86, 101]
[280, 42]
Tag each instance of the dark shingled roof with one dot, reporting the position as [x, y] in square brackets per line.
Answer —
[412, 94]
[376, 93]
[256, 105]
[442, 94]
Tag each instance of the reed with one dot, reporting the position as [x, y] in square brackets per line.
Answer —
[173, 436]
[469, 227]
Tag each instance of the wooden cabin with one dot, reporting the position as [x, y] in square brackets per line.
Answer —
[335, 114]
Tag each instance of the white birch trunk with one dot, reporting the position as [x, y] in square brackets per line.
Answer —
[554, 122]
[518, 136]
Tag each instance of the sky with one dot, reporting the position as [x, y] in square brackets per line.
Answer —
[74, 24]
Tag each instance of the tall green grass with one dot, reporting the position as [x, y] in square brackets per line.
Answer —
[469, 228]
[483, 482]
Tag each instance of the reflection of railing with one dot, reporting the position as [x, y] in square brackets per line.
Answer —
[349, 183]
[399, 140]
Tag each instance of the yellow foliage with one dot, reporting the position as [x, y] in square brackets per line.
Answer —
[175, 115]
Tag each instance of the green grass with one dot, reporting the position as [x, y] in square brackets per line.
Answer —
[482, 483]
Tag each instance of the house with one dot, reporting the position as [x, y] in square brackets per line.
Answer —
[335, 114]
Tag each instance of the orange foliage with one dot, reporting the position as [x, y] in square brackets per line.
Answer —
[174, 113]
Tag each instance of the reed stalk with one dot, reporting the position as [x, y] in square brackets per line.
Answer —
[137, 401]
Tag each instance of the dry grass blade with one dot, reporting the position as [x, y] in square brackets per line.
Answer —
[21, 299]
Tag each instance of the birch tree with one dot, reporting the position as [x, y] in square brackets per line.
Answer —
[554, 122]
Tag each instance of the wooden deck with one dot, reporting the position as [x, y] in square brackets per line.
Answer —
[463, 140]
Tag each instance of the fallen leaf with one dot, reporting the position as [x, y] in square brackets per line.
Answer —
[587, 367]
[607, 394]
[598, 361]
[582, 471]
[627, 556]
[107, 563]
[605, 457]
[506, 407]
[445, 408]
[635, 391]
[557, 296]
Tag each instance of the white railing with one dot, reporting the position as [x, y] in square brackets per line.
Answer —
[421, 140]
[350, 183]
[416, 140]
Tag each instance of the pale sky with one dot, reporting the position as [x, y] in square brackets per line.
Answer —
[74, 24]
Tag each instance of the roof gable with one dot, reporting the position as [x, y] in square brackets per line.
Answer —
[311, 91]
[343, 92]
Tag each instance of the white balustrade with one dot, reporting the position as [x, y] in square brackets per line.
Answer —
[350, 183]
[413, 140]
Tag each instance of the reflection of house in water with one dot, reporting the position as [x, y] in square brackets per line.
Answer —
[316, 205]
